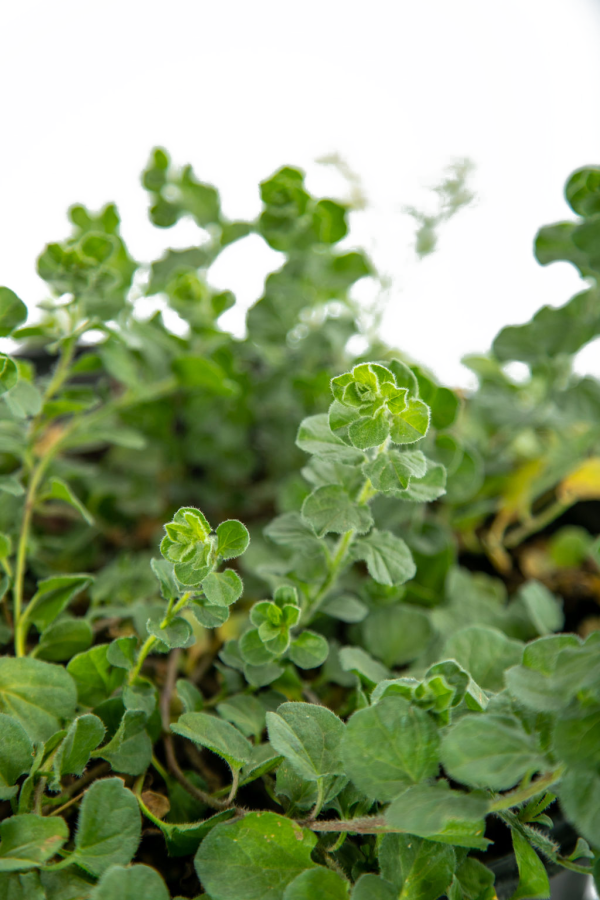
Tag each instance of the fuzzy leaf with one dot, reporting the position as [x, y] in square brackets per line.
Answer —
[131, 883]
[331, 509]
[388, 559]
[83, 736]
[218, 736]
[13, 311]
[29, 840]
[309, 737]
[130, 750]
[109, 827]
[232, 539]
[533, 878]
[38, 694]
[16, 756]
[222, 588]
[320, 882]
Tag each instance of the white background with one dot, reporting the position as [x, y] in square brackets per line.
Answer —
[398, 87]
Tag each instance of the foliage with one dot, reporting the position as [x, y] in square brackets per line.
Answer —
[298, 688]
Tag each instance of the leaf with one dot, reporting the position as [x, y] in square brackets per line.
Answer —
[13, 311]
[542, 606]
[218, 736]
[131, 883]
[28, 840]
[533, 878]
[254, 858]
[319, 882]
[434, 811]
[388, 747]
[109, 827]
[418, 869]
[232, 539]
[309, 736]
[95, 678]
[121, 652]
[485, 653]
[579, 796]
[23, 886]
[316, 437]
[64, 884]
[489, 751]
[245, 712]
[331, 509]
[412, 424]
[199, 372]
[290, 530]
[428, 488]
[369, 431]
[190, 696]
[52, 597]
[9, 374]
[163, 570]
[83, 736]
[16, 756]
[130, 750]
[309, 650]
[576, 737]
[63, 639]
[388, 559]
[60, 490]
[372, 887]
[11, 485]
[178, 632]
[354, 659]
[38, 694]
[346, 608]
[396, 635]
[223, 588]
[392, 471]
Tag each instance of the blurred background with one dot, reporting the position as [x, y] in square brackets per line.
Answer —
[398, 91]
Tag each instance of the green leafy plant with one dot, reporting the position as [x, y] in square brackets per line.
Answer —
[380, 678]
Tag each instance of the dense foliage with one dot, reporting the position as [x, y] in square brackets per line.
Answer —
[372, 694]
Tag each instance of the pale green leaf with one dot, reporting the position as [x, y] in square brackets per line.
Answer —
[331, 509]
[109, 827]
[29, 840]
[309, 737]
[388, 559]
[215, 734]
[38, 694]
[131, 883]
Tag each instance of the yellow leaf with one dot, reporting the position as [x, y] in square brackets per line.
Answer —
[583, 483]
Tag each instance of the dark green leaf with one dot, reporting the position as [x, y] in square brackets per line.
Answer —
[63, 639]
[109, 827]
[38, 694]
[73, 755]
[232, 539]
[95, 678]
[254, 858]
[130, 750]
[53, 595]
[418, 869]
[309, 737]
[13, 311]
[28, 840]
[533, 878]
[131, 883]
[218, 736]
[319, 882]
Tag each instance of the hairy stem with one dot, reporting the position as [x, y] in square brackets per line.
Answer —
[151, 639]
[520, 795]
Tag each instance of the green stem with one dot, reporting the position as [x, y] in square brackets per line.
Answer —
[552, 512]
[151, 640]
[514, 798]
[320, 798]
[234, 785]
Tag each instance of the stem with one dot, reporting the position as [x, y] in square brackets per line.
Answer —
[552, 512]
[234, 786]
[75, 799]
[518, 796]
[160, 769]
[320, 798]
[152, 639]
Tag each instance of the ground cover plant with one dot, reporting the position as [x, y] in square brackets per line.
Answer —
[280, 622]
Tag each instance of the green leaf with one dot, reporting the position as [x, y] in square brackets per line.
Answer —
[388, 559]
[260, 676]
[290, 530]
[246, 712]
[53, 595]
[542, 606]
[418, 869]
[11, 485]
[489, 751]
[131, 883]
[316, 437]
[369, 670]
[309, 650]
[63, 639]
[576, 738]
[309, 736]
[254, 858]
[60, 490]
[428, 488]
[73, 755]
[331, 509]
[13, 311]
[346, 608]
[223, 588]
[190, 696]
[389, 746]
[533, 878]
[369, 431]
[121, 652]
[95, 678]
[109, 827]
[396, 635]
[434, 811]
[9, 374]
[38, 694]
[178, 633]
[163, 570]
[485, 653]
[15, 754]
[23, 886]
[372, 887]
[412, 424]
[28, 840]
[64, 884]
[218, 736]
[232, 539]
[199, 372]
[579, 795]
[320, 882]
[130, 750]
[253, 649]
[392, 471]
